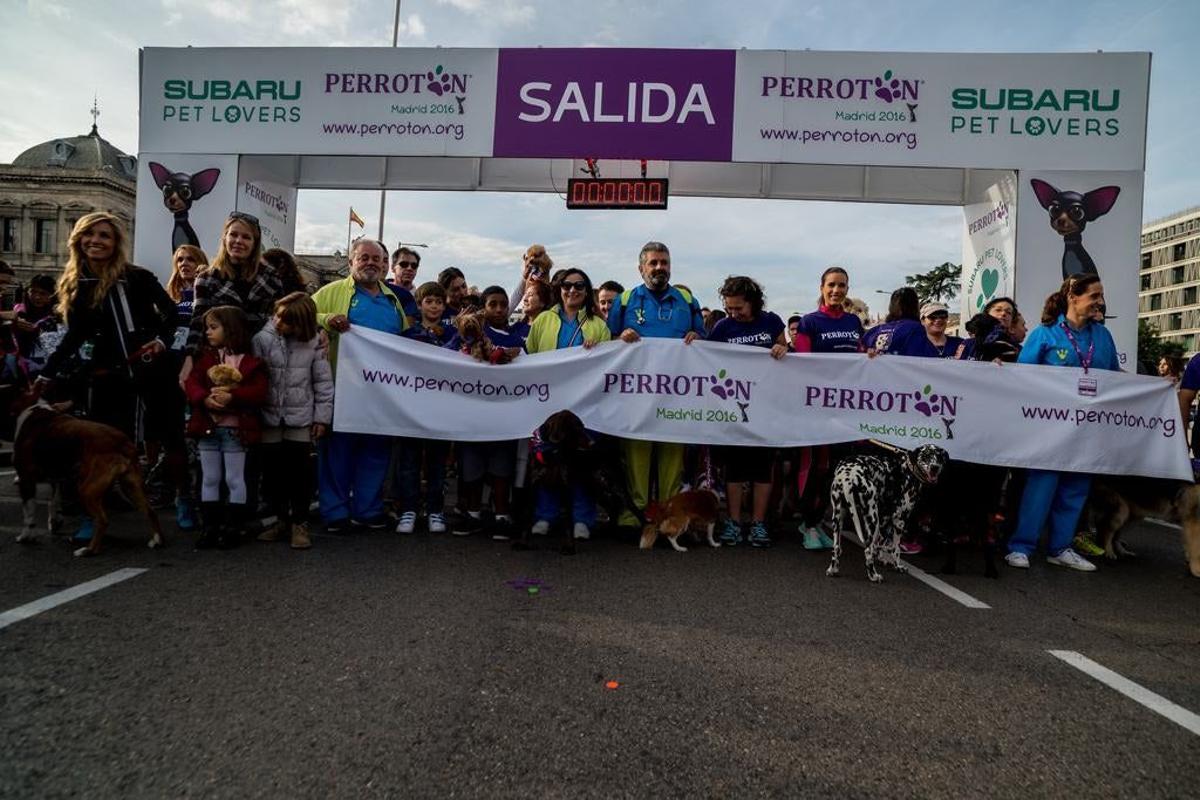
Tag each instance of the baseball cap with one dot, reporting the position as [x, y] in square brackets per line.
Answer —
[933, 308]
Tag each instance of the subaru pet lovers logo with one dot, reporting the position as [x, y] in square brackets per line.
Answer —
[929, 404]
[721, 385]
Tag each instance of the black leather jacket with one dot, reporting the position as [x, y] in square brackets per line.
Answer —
[136, 310]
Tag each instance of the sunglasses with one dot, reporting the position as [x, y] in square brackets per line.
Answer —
[938, 315]
[578, 285]
[244, 217]
[407, 264]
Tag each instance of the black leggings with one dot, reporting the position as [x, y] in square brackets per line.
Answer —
[288, 479]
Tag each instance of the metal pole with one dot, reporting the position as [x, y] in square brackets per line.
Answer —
[383, 192]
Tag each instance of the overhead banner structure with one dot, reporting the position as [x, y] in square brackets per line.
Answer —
[1044, 111]
[962, 129]
[715, 393]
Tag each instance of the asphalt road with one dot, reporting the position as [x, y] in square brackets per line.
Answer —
[376, 665]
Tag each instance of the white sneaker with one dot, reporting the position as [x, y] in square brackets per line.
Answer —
[437, 523]
[581, 531]
[1069, 558]
[408, 522]
[540, 528]
[1018, 560]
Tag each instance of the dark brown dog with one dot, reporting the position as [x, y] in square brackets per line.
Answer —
[52, 447]
[1115, 503]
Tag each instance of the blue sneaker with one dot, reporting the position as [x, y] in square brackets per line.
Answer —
[758, 534]
[731, 534]
[86, 531]
[823, 538]
[185, 515]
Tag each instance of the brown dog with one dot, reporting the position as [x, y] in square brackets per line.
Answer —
[1115, 503]
[698, 507]
[52, 447]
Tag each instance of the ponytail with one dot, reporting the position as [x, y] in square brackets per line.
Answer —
[1056, 304]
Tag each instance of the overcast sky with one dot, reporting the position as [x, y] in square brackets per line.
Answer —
[57, 53]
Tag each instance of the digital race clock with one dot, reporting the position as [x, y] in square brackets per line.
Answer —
[617, 193]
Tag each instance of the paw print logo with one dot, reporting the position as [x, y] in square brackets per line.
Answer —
[928, 403]
[887, 88]
[722, 386]
[438, 81]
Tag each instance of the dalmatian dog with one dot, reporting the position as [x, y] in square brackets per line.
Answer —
[878, 492]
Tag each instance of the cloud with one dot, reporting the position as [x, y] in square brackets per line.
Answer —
[509, 12]
[48, 8]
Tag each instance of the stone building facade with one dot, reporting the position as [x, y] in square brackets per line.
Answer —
[50, 186]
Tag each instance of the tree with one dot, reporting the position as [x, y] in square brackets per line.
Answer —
[1151, 346]
[939, 284]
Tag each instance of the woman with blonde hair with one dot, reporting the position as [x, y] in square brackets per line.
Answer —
[127, 321]
[187, 263]
[238, 277]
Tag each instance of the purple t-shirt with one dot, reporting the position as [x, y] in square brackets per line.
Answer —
[762, 331]
[1191, 375]
[829, 334]
[904, 337]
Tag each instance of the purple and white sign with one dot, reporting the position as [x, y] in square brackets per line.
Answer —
[594, 103]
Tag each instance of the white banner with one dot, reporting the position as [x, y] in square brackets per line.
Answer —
[1028, 110]
[1109, 242]
[713, 393]
[319, 100]
[989, 245]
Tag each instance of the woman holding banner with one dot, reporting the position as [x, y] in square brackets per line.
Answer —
[574, 322]
[829, 329]
[1067, 337]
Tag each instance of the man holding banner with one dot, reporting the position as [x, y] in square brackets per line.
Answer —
[656, 309]
[353, 466]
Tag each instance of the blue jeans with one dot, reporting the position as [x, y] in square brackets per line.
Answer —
[1057, 497]
[583, 507]
[413, 454]
[352, 468]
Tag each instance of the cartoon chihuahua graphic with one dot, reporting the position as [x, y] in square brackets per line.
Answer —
[1070, 212]
[180, 190]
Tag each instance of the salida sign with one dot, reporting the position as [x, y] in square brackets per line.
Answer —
[658, 104]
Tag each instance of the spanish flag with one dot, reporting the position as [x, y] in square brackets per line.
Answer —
[356, 218]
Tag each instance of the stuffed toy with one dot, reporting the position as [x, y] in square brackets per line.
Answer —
[474, 341]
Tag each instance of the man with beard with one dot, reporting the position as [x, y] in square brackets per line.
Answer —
[656, 309]
[353, 466]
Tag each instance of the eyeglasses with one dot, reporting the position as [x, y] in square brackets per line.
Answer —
[580, 286]
[243, 217]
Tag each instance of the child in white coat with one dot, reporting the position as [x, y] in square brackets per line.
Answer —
[299, 410]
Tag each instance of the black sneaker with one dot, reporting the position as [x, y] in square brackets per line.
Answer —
[337, 526]
[374, 523]
[502, 529]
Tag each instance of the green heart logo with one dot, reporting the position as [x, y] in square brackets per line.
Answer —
[988, 282]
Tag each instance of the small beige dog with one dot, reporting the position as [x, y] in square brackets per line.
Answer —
[685, 511]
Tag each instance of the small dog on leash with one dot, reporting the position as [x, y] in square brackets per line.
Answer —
[690, 510]
[1115, 503]
[50, 446]
[873, 490]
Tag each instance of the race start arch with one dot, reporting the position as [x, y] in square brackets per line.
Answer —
[1001, 135]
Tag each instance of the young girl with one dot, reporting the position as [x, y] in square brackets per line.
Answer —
[431, 300]
[299, 410]
[749, 323]
[225, 420]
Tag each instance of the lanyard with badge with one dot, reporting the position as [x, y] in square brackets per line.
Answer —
[1087, 386]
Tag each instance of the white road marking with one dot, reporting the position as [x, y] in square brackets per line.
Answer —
[67, 595]
[1139, 694]
[943, 587]
[924, 577]
[1163, 523]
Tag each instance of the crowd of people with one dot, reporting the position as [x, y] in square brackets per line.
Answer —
[226, 378]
